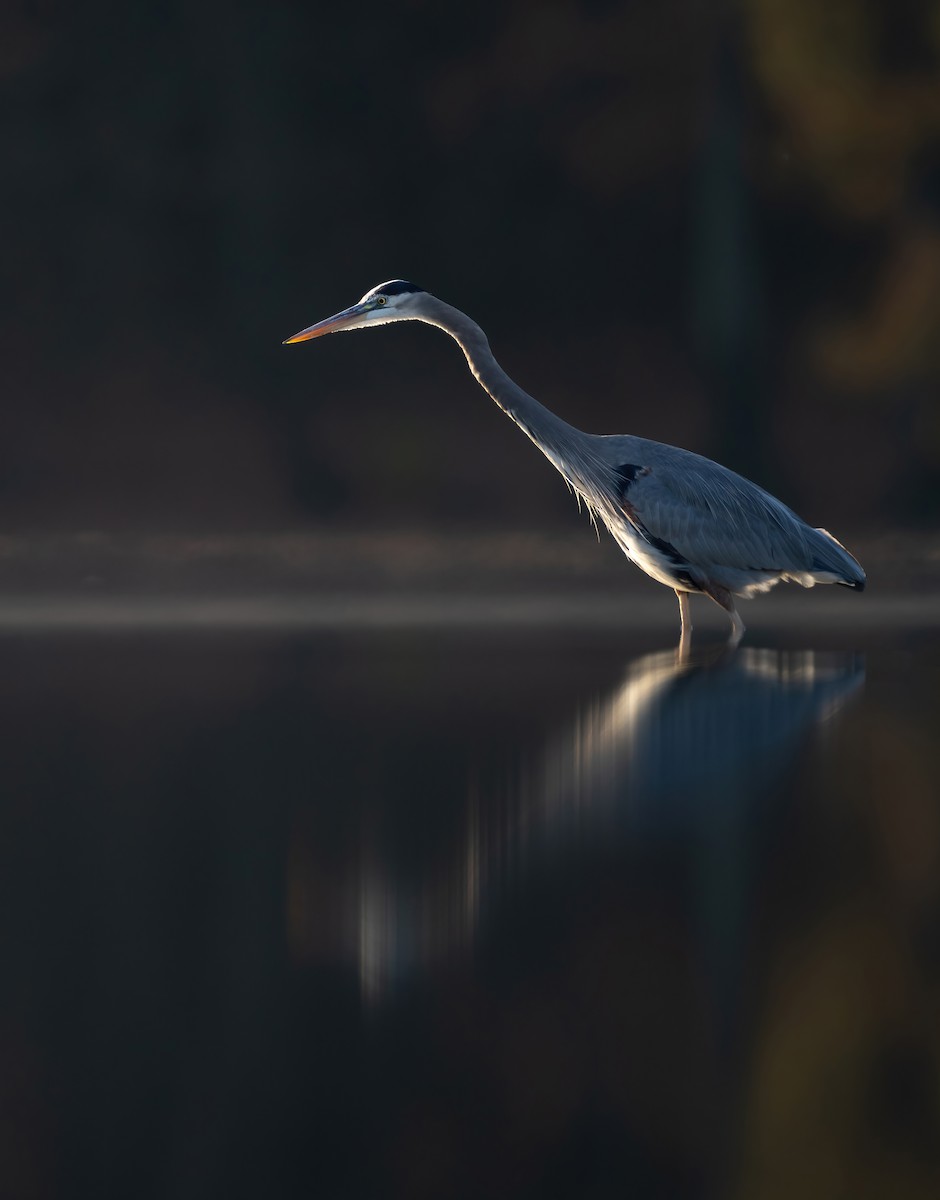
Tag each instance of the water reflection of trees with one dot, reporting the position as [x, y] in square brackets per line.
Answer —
[746, 985]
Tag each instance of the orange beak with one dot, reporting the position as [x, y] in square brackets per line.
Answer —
[347, 319]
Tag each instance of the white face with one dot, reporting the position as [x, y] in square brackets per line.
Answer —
[377, 307]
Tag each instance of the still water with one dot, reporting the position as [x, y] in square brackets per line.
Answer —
[479, 914]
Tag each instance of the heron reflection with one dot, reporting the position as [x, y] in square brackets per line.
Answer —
[680, 744]
[679, 736]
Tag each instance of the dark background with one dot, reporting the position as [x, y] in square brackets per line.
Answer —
[715, 225]
[712, 225]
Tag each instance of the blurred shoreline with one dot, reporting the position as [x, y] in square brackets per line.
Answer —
[419, 578]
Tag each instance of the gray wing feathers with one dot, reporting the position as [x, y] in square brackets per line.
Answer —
[722, 519]
[712, 516]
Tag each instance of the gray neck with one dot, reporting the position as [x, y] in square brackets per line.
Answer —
[553, 436]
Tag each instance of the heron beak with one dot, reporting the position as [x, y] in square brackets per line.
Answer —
[349, 318]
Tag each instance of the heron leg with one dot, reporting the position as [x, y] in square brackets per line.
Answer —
[685, 623]
[724, 599]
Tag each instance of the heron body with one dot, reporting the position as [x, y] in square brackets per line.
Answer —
[686, 521]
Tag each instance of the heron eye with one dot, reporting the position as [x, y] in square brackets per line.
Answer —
[381, 300]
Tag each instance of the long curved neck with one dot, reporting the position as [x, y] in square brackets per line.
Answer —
[553, 436]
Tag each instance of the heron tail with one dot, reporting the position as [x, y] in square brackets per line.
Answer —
[832, 563]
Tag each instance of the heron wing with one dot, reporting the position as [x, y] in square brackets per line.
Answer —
[710, 516]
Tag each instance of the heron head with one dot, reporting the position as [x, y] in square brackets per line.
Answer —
[396, 300]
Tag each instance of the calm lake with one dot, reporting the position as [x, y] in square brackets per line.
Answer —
[501, 912]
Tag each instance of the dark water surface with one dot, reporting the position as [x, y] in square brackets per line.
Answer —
[491, 914]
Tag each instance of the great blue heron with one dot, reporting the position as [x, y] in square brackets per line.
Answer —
[683, 519]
